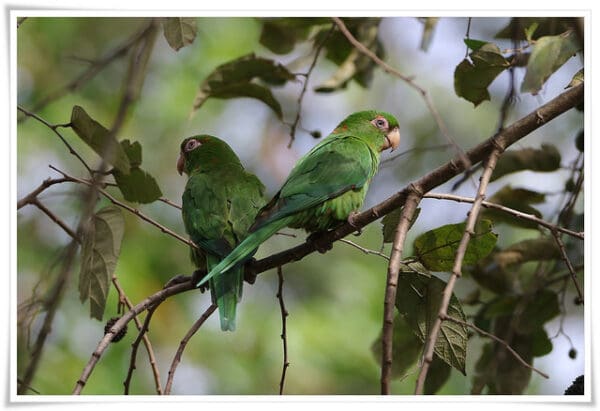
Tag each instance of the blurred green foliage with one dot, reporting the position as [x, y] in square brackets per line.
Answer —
[335, 301]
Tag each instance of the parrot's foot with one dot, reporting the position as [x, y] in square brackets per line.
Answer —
[197, 276]
[321, 246]
[352, 221]
[249, 274]
[178, 279]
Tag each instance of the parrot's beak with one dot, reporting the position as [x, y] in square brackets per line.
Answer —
[180, 163]
[392, 139]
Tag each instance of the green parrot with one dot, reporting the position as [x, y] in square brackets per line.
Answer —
[219, 204]
[326, 187]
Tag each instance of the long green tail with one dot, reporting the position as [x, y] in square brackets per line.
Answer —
[226, 292]
[246, 248]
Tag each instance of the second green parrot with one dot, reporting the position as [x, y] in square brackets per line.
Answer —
[219, 204]
[325, 187]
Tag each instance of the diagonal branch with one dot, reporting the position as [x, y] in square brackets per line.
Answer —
[457, 269]
[391, 287]
[408, 80]
[177, 359]
[565, 257]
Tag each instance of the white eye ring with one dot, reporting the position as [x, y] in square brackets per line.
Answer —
[380, 123]
[191, 145]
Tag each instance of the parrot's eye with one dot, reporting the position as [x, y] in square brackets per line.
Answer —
[191, 145]
[381, 123]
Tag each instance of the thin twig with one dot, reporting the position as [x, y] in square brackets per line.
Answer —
[128, 208]
[121, 322]
[415, 149]
[457, 268]
[305, 85]
[53, 127]
[142, 335]
[365, 250]
[284, 314]
[56, 219]
[151, 357]
[392, 284]
[97, 66]
[499, 340]
[516, 213]
[565, 257]
[183, 343]
[29, 198]
[408, 80]
[169, 202]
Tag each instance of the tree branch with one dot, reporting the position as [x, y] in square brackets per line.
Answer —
[565, 257]
[284, 315]
[391, 286]
[457, 269]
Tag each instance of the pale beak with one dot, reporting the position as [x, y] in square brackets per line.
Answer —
[180, 163]
[392, 139]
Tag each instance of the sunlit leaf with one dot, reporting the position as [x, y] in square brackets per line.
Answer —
[474, 44]
[576, 80]
[99, 253]
[473, 75]
[418, 299]
[236, 79]
[180, 31]
[546, 158]
[99, 139]
[548, 55]
[436, 249]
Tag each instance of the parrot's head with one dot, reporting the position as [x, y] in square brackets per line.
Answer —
[204, 152]
[378, 127]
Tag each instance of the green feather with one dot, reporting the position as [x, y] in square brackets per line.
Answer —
[324, 187]
[219, 204]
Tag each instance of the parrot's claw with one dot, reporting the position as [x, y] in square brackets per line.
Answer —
[197, 276]
[178, 279]
[320, 245]
[249, 274]
[352, 221]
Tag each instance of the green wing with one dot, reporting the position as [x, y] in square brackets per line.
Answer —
[333, 167]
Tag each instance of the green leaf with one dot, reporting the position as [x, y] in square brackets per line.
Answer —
[99, 139]
[576, 80]
[180, 31]
[473, 76]
[436, 249]
[548, 55]
[429, 24]
[406, 348]
[541, 344]
[519, 27]
[390, 222]
[475, 45]
[235, 79]
[530, 30]
[438, 374]
[579, 141]
[280, 35]
[137, 186]
[547, 158]
[418, 299]
[541, 308]
[99, 253]
[518, 199]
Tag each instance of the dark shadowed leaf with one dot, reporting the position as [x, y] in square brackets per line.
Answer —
[473, 75]
[137, 186]
[98, 138]
[418, 299]
[436, 249]
[548, 55]
[179, 31]
[390, 223]
[236, 79]
[406, 348]
[519, 199]
[547, 158]
[99, 253]
[541, 344]
[540, 308]
[517, 27]
[438, 374]
[280, 35]
[579, 141]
